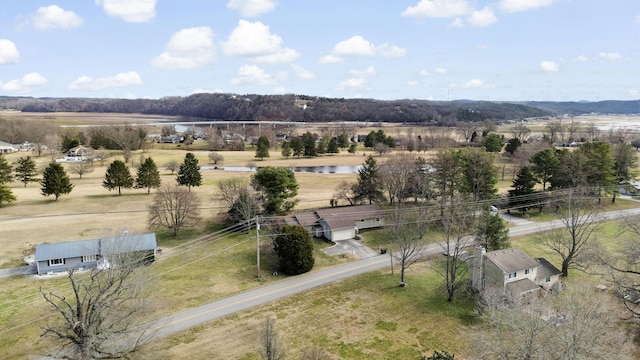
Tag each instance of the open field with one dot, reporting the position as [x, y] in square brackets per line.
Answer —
[360, 318]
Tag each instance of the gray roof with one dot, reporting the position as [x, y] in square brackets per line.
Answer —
[521, 287]
[511, 260]
[111, 245]
[546, 270]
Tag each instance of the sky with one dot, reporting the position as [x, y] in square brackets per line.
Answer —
[501, 50]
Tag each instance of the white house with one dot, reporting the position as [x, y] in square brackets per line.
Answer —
[6, 148]
[511, 271]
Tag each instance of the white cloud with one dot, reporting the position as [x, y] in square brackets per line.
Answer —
[439, 9]
[458, 22]
[119, 80]
[549, 66]
[441, 71]
[413, 83]
[188, 48]
[303, 73]
[330, 59]
[424, 73]
[522, 5]
[54, 17]
[638, 19]
[609, 56]
[357, 78]
[8, 52]
[475, 84]
[484, 17]
[130, 10]
[358, 46]
[581, 58]
[255, 40]
[252, 75]
[251, 8]
[206, 91]
[24, 84]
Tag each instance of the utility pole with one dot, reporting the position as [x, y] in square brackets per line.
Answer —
[258, 243]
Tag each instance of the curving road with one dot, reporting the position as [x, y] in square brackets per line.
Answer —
[217, 309]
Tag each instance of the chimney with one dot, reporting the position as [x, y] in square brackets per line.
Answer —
[477, 269]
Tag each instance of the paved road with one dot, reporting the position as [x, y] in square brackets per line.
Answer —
[297, 284]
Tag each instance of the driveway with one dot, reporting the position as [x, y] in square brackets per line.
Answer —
[352, 247]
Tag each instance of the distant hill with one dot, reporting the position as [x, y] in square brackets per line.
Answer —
[302, 108]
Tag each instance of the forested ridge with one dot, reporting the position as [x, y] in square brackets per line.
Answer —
[302, 108]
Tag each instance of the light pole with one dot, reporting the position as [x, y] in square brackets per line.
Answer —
[258, 243]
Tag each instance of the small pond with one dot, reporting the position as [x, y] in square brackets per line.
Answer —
[342, 169]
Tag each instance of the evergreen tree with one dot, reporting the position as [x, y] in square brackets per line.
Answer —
[278, 185]
[522, 189]
[493, 143]
[55, 181]
[118, 176]
[262, 150]
[189, 174]
[352, 148]
[6, 195]
[309, 144]
[512, 145]
[343, 141]
[369, 186]
[26, 170]
[544, 165]
[148, 175]
[286, 149]
[294, 248]
[492, 231]
[479, 175]
[297, 146]
[333, 147]
[6, 171]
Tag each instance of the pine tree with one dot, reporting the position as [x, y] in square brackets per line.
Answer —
[523, 187]
[6, 171]
[369, 186]
[148, 175]
[189, 174]
[297, 146]
[294, 248]
[118, 176]
[55, 181]
[26, 170]
[6, 195]
[262, 150]
[333, 148]
[286, 149]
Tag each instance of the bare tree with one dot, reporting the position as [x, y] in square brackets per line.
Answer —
[395, 174]
[466, 129]
[381, 148]
[346, 191]
[457, 226]
[102, 317]
[272, 347]
[573, 128]
[102, 154]
[555, 128]
[580, 216]
[240, 199]
[520, 131]
[314, 352]
[81, 167]
[406, 233]
[579, 323]
[624, 265]
[215, 157]
[174, 207]
[593, 131]
[172, 166]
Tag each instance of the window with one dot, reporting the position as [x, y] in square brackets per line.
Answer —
[548, 279]
[377, 219]
[512, 275]
[526, 271]
[88, 258]
[56, 262]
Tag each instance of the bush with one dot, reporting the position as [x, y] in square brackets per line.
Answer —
[294, 248]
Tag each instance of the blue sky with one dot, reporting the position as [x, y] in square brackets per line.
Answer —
[502, 50]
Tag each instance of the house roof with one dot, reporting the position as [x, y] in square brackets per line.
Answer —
[511, 260]
[546, 270]
[306, 218]
[521, 286]
[118, 244]
[346, 216]
[6, 145]
[335, 222]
